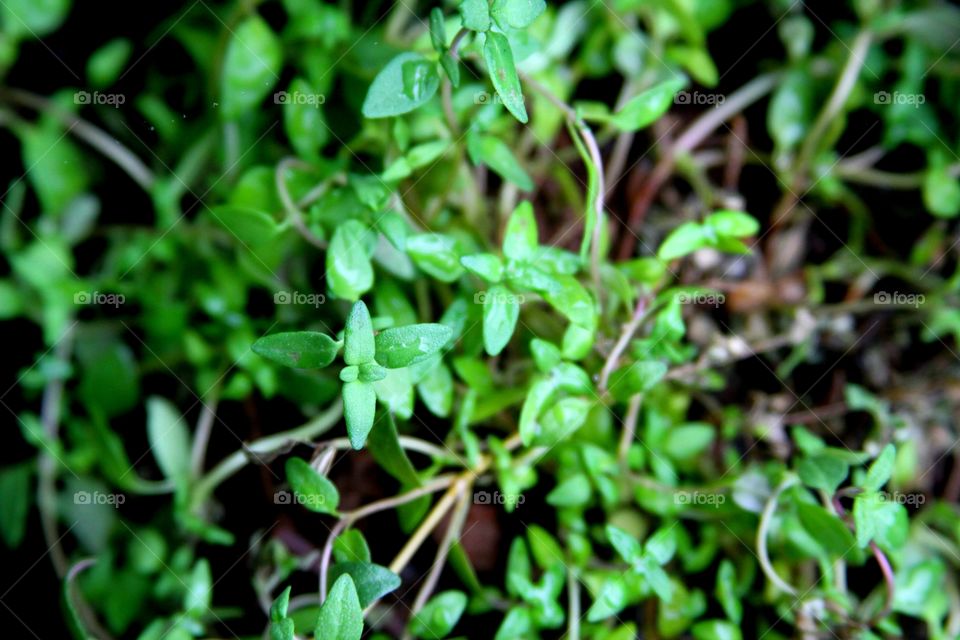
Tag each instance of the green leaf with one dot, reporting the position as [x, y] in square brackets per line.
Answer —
[57, 168]
[341, 616]
[612, 599]
[476, 14]
[384, 446]
[32, 18]
[370, 372]
[643, 109]
[875, 517]
[573, 301]
[404, 346]
[518, 14]
[486, 265]
[726, 591]
[941, 192]
[313, 491]
[298, 349]
[303, 120]
[169, 438]
[436, 390]
[880, 471]
[251, 226]
[278, 610]
[827, 529]
[682, 241]
[735, 224]
[15, 500]
[638, 377]
[359, 408]
[716, 630]
[350, 546]
[106, 63]
[791, 109]
[349, 272]
[438, 31]
[279, 630]
[661, 545]
[573, 491]
[451, 67]
[407, 82]
[359, 345]
[824, 472]
[501, 308]
[562, 419]
[493, 152]
[439, 616]
[251, 67]
[520, 237]
[503, 73]
[436, 254]
[371, 580]
[626, 545]
[395, 392]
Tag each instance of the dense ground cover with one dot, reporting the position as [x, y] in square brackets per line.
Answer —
[500, 319]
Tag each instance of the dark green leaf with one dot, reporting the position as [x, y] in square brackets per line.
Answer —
[499, 58]
[298, 349]
[371, 580]
[404, 346]
[312, 490]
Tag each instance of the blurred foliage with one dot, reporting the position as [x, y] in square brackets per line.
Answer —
[524, 230]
